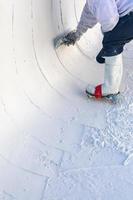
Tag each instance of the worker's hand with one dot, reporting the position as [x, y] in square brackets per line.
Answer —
[71, 38]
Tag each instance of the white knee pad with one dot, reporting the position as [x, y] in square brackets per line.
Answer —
[113, 74]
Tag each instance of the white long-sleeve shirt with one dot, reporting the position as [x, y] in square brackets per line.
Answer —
[105, 12]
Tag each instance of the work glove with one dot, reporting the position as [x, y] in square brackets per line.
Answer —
[72, 37]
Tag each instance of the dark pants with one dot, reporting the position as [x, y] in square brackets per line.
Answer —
[114, 41]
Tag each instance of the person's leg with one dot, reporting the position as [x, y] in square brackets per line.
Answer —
[111, 55]
[114, 41]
